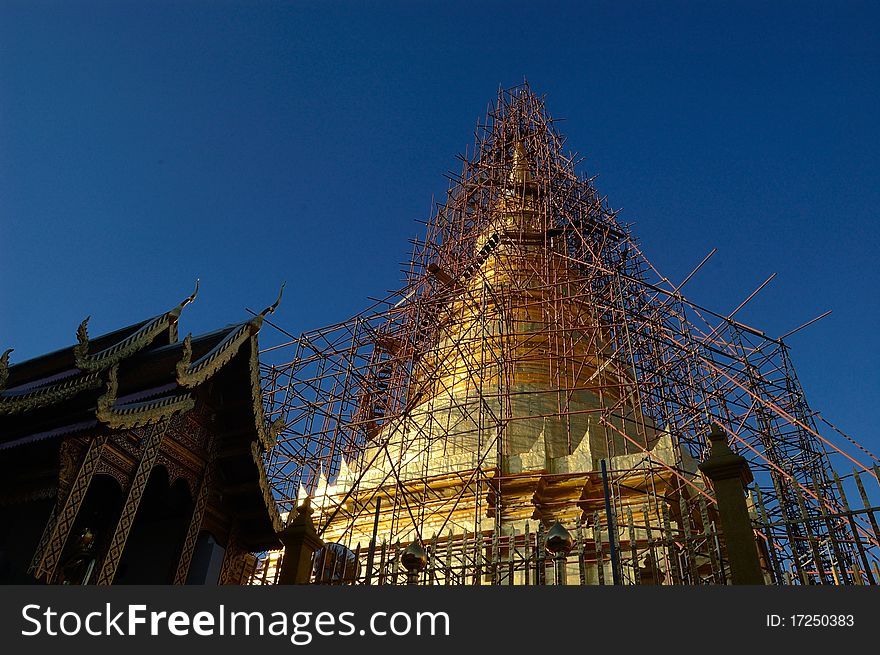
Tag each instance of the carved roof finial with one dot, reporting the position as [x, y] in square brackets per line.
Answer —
[277, 426]
[271, 308]
[257, 321]
[185, 358]
[108, 398]
[81, 349]
[177, 310]
[4, 367]
[193, 295]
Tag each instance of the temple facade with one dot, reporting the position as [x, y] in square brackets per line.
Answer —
[135, 457]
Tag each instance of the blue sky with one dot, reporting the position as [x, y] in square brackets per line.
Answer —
[143, 145]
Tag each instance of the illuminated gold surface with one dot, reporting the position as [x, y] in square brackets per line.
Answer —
[520, 385]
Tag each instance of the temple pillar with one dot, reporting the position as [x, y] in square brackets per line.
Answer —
[730, 475]
[195, 526]
[153, 442]
[300, 541]
[58, 528]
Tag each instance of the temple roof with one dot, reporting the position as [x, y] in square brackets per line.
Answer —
[143, 374]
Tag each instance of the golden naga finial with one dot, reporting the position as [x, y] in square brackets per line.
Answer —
[4, 367]
[271, 308]
[277, 426]
[257, 321]
[177, 310]
[108, 398]
[193, 295]
[81, 349]
[185, 358]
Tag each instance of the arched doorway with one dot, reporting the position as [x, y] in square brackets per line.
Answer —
[153, 547]
[91, 532]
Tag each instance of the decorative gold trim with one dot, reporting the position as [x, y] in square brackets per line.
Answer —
[257, 321]
[56, 532]
[137, 414]
[185, 359]
[128, 346]
[268, 497]
[4, 367]
[230, 569]
[81, 349]
[70, 452]
[267, 435]
[141, 414]
[132, 502]
[186, 301]
[195, 524]
[106, 400]
[271, 308]
[119, 351]
[48, 529]
[41, 397]
[190, 375]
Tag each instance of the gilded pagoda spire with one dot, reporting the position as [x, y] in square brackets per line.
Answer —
[516, 208]
[520, 173]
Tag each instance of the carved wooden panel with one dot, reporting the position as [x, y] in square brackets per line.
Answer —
[233, 561]
[191, 431]
[70, 454]
[178, 470]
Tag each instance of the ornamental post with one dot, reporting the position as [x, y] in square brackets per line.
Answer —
[730, 475]
[300, 541]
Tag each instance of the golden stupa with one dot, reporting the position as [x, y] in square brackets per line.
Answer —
[510, 410]
[537, 390]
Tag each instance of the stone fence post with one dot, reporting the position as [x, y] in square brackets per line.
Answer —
[730, 475]
[300, 541]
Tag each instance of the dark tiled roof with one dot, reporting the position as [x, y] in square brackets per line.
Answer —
[144, 373]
